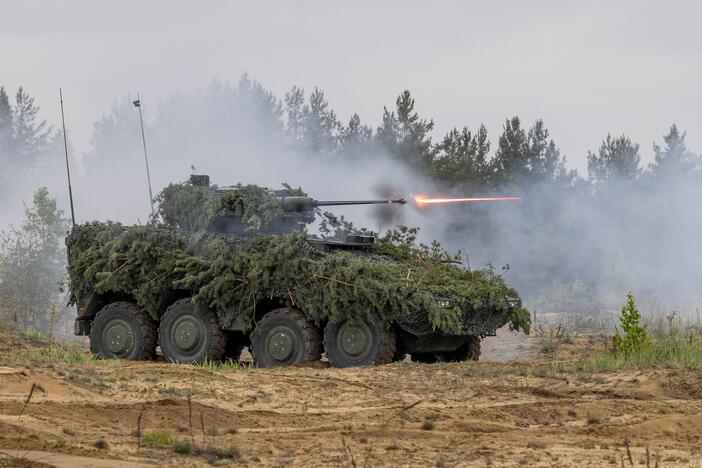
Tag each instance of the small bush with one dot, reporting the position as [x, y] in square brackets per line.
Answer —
[428, 424]
[588, 445]
[101, 444]
[182, 446]
[162, 438]
[548, 348]
[635, 336]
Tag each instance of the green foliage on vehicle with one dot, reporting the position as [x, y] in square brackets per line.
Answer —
[233, 274]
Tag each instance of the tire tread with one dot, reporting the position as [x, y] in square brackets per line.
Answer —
[146, 324]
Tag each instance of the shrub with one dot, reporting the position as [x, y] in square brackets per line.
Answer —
[182, 446]
[101, 444]
[635, 336]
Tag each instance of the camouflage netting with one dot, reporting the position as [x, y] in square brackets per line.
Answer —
[233, 274]
[189, 208]
[418, 286]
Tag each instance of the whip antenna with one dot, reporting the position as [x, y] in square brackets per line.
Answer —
[137, 104]
[68, 167]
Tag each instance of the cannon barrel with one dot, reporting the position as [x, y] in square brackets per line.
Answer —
[297, 203]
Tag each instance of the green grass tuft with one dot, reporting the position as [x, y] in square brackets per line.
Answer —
[160, 438]
[670, 352]
[222, 366]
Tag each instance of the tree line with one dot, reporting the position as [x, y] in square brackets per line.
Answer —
[543, 241]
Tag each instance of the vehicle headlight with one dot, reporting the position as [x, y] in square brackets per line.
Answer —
[445, 303]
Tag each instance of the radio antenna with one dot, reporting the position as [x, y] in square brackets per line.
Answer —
[68, 167]
[137, 104]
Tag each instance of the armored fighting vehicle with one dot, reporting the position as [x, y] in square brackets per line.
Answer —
[221, 268]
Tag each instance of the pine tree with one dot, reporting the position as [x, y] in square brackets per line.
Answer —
[405, 136]
[321, 127]
[355, 139]
[462, 158]
[525, 157]
[5, 127]
[32, 264]
[674, 159]
[616, 162]
[544, 158]
[30, 136]
[295, 110]
[260, 109]
[510, 162]
[635, 336]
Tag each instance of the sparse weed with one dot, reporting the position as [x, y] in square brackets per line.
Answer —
[536, 444]
[548, 348]
[428, 424]
[588, 445]
[594, 417]
[230, 365]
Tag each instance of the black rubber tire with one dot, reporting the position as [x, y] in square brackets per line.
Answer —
[306, 347]
[236, 341]
[211, 345]
[382, 347]
[469, 351]
[138, 324]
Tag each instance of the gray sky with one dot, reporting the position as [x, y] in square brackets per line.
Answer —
[586, 68]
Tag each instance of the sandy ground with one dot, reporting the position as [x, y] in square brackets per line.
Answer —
[404, 414]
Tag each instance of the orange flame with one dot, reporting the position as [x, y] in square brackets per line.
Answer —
[422, 200]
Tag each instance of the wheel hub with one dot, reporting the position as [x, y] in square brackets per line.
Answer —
[187, 333]
[118, 337]
[355, 340]
[282, 343]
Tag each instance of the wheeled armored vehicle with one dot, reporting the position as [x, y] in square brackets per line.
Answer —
[221, 268]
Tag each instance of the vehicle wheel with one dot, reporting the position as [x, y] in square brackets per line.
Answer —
[284, 337]
[470, 351]
[190, 333]
[235, 344]
[359, 343]
[122, 330]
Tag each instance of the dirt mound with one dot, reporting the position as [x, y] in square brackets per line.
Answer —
[15, 383]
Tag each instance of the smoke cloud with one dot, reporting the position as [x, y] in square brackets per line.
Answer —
[575, 251]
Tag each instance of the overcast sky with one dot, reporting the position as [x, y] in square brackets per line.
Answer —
[586, 68]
